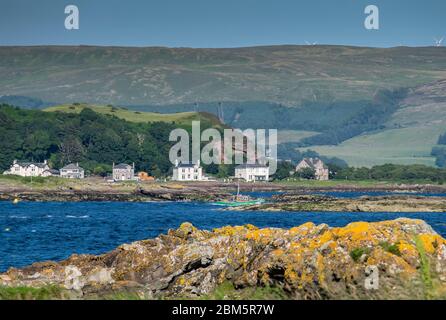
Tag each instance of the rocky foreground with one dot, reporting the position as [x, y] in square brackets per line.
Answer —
[318, 203]
[397, 259]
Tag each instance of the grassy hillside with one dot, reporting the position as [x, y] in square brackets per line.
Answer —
[398, 146]
[287, 136]
[181, 119]
[407, 137]
[155, 75]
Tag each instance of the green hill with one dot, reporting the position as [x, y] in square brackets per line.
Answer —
[182, 119]
[316, 95]
[161, 76]
[93, 139]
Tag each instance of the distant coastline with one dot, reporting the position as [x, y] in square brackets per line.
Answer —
[97, 189]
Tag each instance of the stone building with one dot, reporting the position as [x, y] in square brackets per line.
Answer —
[123, 172]
[321, 171]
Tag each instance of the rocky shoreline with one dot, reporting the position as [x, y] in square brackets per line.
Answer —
[305, 262]
[134, 196]
[93, 189]
[319, 203]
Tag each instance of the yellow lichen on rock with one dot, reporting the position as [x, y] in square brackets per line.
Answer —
[309, 261]
[431, 242]
[302, 230]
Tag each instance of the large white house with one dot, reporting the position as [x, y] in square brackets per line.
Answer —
[252, 172]
[72, 171]
[29, 169]
[188, 172]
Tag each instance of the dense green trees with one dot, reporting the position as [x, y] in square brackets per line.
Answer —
[284, 170]
[306, 173]
[387, 172]
[390, 172]
[94, 140]
[368, 118]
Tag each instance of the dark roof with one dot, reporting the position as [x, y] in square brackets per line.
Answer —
[53, 171]
[247, 165]
[312, 162]
[72, 166]
[122, 166]
[27, 164]
[185, 165]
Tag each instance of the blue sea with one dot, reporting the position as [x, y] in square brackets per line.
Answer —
[38, 231]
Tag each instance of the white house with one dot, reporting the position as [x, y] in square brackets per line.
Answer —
[123, 172]
[252, 172]
[188, 172]
[72, 171]
[28, 169]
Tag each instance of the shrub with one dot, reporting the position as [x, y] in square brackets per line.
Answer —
[357, 253]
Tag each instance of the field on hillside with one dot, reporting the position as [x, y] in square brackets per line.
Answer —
[286, 136]
[399, 146]
[182, 119]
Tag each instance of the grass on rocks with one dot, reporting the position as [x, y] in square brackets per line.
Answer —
[28, 293]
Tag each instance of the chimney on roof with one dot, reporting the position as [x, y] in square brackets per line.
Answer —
[113, 166]
[14, 162]
[176, 162]
[77, 164]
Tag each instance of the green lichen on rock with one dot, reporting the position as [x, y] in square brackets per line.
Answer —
[305, 262]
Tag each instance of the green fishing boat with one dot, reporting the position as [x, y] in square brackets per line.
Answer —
[231, 203]
[239, 200]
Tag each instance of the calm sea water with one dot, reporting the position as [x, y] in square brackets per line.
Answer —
[31, 232]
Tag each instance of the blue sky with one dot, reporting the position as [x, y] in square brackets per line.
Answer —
[222, 23]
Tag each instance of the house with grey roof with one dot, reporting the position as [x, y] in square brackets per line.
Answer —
[72, 171]
[188, 172]
[252, 172]
[123, 172]
[27, 169]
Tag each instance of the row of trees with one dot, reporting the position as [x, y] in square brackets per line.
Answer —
[387, 172]
[93, 140]
[391, 172]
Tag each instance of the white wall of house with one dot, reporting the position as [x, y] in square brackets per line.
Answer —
[27, 169]
[252, 174]
[72, 172]
[188, 173]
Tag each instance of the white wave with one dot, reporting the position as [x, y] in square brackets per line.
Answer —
[77, 217]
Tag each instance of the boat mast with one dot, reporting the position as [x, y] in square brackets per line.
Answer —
[238, 188]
